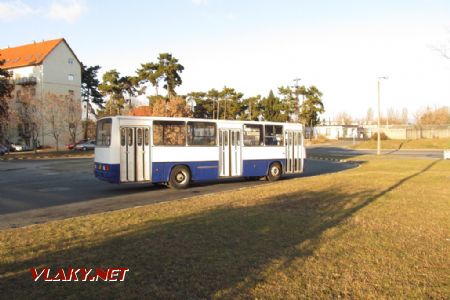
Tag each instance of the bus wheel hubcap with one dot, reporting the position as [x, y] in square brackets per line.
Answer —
[180, 177]
[275, 171]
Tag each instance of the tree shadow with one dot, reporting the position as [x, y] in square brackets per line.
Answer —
[398, 149]
[222, 252]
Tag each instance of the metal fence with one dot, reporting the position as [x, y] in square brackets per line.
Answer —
[412, 132]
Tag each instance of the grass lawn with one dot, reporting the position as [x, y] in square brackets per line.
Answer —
[405, 144]
[318, 141]
[377, 231]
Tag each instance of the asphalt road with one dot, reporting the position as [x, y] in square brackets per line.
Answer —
[42, 190]
[319, 150]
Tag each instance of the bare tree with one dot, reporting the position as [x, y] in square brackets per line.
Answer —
[405, 116]
[55, 114]
[28, 117]
[9, 120]
[443, 49]
[344, 118]
[174, 107]
[433, 116]
[393, 117]
[73, 119]
[369, 116]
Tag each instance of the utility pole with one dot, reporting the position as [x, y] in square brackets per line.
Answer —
[379, 117]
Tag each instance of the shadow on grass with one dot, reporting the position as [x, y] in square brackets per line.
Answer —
[398, 149]
[220, 252]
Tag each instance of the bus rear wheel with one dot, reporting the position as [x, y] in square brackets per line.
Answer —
[274, 172]
[180, 177]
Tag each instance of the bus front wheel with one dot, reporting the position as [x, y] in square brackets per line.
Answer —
[180, 177]
[274, 172]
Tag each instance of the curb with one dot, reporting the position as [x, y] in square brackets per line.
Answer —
[327, 159]
[43, 157]
[402, 149]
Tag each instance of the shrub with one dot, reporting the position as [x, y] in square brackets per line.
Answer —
[383, 136]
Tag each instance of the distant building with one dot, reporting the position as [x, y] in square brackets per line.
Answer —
[40, 69]
[336, 132]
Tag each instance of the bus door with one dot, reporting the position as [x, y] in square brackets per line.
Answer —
[230, 156]
[294, 151]
[134, 154]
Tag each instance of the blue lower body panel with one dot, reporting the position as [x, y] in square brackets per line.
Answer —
[201, 170]
[259, 167]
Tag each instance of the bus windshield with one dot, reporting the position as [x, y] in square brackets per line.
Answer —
[104, 132]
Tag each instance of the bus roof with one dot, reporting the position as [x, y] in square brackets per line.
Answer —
[186, 119]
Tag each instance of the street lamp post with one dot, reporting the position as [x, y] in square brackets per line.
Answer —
[379, 113]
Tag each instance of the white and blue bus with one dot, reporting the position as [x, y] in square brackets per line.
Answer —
[178, 151]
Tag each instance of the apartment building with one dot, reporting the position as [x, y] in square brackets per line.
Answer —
[38, 70]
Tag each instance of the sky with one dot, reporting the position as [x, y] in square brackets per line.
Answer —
[342, 47]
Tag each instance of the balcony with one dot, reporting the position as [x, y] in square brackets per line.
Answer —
[26, 81]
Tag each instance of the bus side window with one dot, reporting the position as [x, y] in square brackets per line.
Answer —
[273, 135]
[122, 137]
[253, 135]
[201, 134]
[169, 133]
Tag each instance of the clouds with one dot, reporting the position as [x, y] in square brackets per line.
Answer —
[13, 10]
[60, 10]
[200, 2]
[69, 10]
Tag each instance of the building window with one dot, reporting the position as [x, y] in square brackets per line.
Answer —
[71, 77]
[169, 133]
[253, 135]
[33, 91]
[273, 135]
[70, 61]
[201, 133]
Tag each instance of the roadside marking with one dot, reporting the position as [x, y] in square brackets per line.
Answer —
[56, 189]
[327, 158]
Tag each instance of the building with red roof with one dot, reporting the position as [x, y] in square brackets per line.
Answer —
[42, 71]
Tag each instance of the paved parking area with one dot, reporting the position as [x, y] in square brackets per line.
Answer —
[42, 190]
